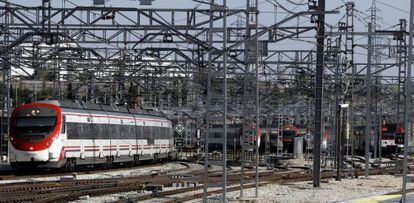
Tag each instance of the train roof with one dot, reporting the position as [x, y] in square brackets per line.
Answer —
[102, 107]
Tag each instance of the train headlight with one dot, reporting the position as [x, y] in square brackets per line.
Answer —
[34, 112]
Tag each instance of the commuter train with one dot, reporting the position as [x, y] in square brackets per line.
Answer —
[289, 132]
[64, 134]
[234, 134]
[387, 134]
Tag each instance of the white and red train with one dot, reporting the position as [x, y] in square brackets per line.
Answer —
[63, 134]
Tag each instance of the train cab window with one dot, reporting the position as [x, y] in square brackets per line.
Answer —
[33, 128]
[63, 130]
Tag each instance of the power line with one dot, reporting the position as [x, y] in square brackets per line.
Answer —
[391, 6]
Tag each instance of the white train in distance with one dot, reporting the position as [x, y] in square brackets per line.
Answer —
[65, 134]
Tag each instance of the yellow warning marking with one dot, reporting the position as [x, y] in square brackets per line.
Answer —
[375, 199]
[364, 200]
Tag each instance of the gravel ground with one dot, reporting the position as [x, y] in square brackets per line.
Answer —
[333, 191]
[111, 197]
[109, 174]
[301, 192]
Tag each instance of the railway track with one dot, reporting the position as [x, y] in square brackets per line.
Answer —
[66, 190]
[52, 191]
[266, 178]
[15, 174]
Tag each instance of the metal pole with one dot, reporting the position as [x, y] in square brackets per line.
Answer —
[245, 98]
[319, 94]
[338, 143]
[338, 98]
[379, 135]
[407, 106]
[225, 100]
[208, 102]
[368, 101]
[257, 99]
[6, 105]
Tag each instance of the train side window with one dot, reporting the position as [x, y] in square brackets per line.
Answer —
[105, 131]
[155, 132]
[138, 131]
[131, 132]
[95, 130]
[63, 130]
[73, 131]
[158, 132]
[122, 131]
[116, 131]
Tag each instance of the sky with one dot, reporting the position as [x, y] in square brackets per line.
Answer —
[389, 13]
[391, 10]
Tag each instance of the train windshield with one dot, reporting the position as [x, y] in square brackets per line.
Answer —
[35, 124]
[389, 128]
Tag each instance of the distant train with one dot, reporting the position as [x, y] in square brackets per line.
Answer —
[387, 134]
[289, 132]
[234, 134]
[292, 131]
[64, 134]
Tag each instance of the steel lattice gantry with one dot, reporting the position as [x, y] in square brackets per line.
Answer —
[215, 63]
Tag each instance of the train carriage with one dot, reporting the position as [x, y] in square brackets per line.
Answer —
[387, 135]
[55, 134]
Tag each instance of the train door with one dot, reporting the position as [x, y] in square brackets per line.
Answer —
[140, 136]
[93, 135]
[115, 140]
[109, 131]
[97, 131]
[135, 132]
[81, 140]
[63, 136]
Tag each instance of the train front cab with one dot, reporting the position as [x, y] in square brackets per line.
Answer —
[35, 136]
[289, 134]
[388, 135]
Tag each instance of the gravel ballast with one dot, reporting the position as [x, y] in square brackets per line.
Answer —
[331, 191]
